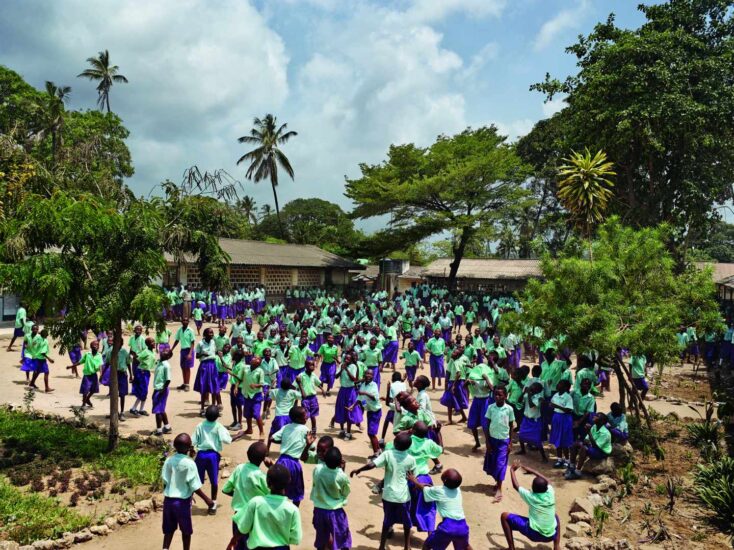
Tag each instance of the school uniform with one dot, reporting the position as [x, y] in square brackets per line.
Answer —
[309, 399]
[208, 439]
[395, 492]
[561, 435]
[91, 364]
[185, 339]
[292, 439]
[531, 428]
[145, 363]
[347, 397]
[207, 376]
[453, 529]
[284, 402]
[480, 396]
[269, 521]
[180, 481]
[253, 397]
[328, 364]
[161, 375]
[371, 406]
[541, 524]
[495, 459]
[329, 493]
[436, 348]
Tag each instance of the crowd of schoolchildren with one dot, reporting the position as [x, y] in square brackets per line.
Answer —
[515, 394]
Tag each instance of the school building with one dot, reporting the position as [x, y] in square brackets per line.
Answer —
[274, 266]
[489, 275]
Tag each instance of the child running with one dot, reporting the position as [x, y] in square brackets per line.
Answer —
[91, 363]
[293, 438]
[161, 381]
[247, 480]
[329, 494]
[501, 418]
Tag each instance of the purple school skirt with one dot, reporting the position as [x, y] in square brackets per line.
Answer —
[141, 381]
[160, 398]
[222, 379]
[331, 526]
[18, 332]
[594, 453]
[328, 374]
[279, 422]
[252, 406]
[41, 366]
[90, 384]
[396, 512]
[390, 353]
[420, 346]
[618, 436]
[454, 396]
[450, 531]
[477, 411]
[186, 358]
[495, 461]
[458, 320]
[641, 384]
[207, 463]
[346, 398]
[104, 375]
[295, 489]
[531, 431]
[422, 513]
[375, 370]
[437, 369]
[521, 524]
[177, 515]
[122, 383]
[75, 354]
[26, 364]
[561, 436]
[410, 373]
[373, 422]
[207, 377]
[446, 334]
[311, 404]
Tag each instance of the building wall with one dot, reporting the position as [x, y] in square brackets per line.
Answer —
[244, 275]
[489, 285]
[309, 276]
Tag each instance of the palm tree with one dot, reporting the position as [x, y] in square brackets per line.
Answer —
[584, 189]
[266, 157]
[57, 96]
[265, 211]
[247, 207]
[106, 74]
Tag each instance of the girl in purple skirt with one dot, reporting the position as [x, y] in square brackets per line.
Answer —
[344, 411]
[207, 378]
[454, 397]
[369, 401]
[91, 363]
[561, 436]
[531, 427]
[294, 438]
[501, 417]
[286, 397]
[308, 383]
[479, 381]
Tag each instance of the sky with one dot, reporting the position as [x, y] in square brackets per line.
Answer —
[350, 76]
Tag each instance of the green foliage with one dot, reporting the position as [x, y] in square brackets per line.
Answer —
[706, 435]
[464, 184]
[714, 485]
[628, 479]
[27, 517]
[101, 71]
[601, 515]
[658, 100]
[716, 245]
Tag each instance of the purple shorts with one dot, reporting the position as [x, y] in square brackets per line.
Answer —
[253, 406]
[207, 463]
[278, 422]
[396, 512]
[449, 531]
[160, 397]
[18, 332]
[410, 372]
[122, 383]
[177, 515]
[311, 404]
[641, 384]
[187, 358]
[373, 422]
[40, 366]
[295, 490]
[331, 525]
[521, 524]
[90, 384]
[594, 453]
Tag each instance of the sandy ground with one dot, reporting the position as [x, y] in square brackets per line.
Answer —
[364, 509]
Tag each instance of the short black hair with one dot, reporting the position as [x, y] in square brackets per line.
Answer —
[397, 377]
[540, 485]
[403, 441]
[257, 452]
[451, 478]
[333, 458]
[212, 413]
[420, 429]
[296, 414]
[278, 478]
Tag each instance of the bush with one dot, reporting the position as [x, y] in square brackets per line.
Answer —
[714, 485]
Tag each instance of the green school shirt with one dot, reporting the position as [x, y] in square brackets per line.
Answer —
[259, 346]
[585, 374]
[180, 477]
[436, 346]
[297, 357]
[423, 450]
[197, 314]
[541, 510]
[500, 419]
[210, 436]
[637, 366]
[219, 341]
[285, 400]
[162, 375]
[224, 363]
[397, 464]
[136, 344]
[603, 438]
[238, 374]
[618, 422]
[532, 405]
[20, 317]
[371, 356]
[146, 360]
[91, 363]
[185, 338]
[252, 376]
[292, 439]
[412, 358]
[583, 404]
[330, 488]
[246, 482]
[309, 383]
[478, 386]
[269, 521]
[328, 353]
[371, 403]
[562, 400]
[514, 393]
[162, 337]
[448, 501]
[344, 379]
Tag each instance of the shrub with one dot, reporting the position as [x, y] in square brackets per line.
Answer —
[714, 485]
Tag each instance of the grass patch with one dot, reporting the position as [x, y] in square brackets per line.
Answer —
[32, 439]
[27, 517]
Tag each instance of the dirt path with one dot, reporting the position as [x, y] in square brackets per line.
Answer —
[363, 509]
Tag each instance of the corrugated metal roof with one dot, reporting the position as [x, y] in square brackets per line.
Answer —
[485, 269]
[244, 252]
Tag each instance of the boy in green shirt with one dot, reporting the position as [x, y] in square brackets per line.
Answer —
[269, 521]
[542, 524]
[329, 494]
[597, 445]
[248, 480]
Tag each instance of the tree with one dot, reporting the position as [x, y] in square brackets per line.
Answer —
[585, 189]
[457, 184]
[718, 245]
[91, 257]
[658, 100]
[57, 96]
[267, 156]
[630, 297]
[106, 74]
[248, 208]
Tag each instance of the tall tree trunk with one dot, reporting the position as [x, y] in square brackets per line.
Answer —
[277, 211]
[107, 100]
[458, 255]
[114, 434]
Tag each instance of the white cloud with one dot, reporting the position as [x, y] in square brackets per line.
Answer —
[515, 128]
[551, 107]
[436, 10]
[563, 21]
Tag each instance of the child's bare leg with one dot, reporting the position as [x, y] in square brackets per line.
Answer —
[260, 426]
[167, 540]
[477, 444]
[506, 529]
[313, 424]
[45, 383]
[186, 541]
[406, 539]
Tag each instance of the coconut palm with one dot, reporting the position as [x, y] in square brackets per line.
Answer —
[266, 157]
[56, 98]
[106, 74]
[247, 207]
[265, 211]
[585, 188]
